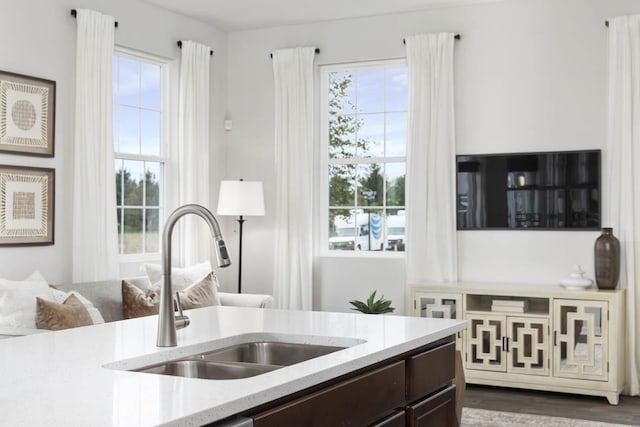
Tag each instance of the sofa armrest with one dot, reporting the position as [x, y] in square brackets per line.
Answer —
[246, 300]
[12, 331]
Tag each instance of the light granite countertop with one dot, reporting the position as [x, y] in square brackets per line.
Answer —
[75, 377]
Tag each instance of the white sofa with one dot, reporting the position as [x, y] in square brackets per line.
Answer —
[106, 296]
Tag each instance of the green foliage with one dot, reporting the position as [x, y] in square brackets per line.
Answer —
[130, 191]
[372, 185]
[395, 192]
[343, 126]
[373, 306]
[341, 185]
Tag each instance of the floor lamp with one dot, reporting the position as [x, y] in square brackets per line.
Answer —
[240, 199]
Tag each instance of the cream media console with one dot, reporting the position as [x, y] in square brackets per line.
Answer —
[542, 337]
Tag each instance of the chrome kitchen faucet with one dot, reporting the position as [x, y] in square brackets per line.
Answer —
[167, 322]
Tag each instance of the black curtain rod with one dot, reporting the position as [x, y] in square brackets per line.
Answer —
[316, 51]
[180, 46]
[457, 37]
[74, 13]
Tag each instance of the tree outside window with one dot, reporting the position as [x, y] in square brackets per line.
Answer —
[367, 113]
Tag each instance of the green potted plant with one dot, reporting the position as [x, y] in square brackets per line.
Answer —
[373, 306]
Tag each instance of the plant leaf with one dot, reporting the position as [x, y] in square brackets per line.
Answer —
[371, 297]
[360, 306]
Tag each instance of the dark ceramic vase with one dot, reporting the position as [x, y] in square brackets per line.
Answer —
[607, 259]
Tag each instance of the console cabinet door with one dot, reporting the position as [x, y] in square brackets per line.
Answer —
[485, 339]
[436, 305]
[527, 345]
[439, 306]
[580, 341]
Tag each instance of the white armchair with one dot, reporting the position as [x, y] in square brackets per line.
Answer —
[246, 300]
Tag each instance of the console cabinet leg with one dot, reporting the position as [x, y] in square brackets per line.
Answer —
[613, 398]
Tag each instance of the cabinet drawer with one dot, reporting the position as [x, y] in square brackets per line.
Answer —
[353, 402]
[398, 419]
[438, 410]
[428, 371]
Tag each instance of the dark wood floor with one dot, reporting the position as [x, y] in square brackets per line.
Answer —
[553, 404]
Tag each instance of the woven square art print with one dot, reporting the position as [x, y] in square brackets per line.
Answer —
[27, 115]
[26, 205]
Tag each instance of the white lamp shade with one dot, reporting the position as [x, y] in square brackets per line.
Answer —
[241, 198]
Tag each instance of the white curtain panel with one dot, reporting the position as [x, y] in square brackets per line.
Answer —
[623, 172]
[430, 182]
[193, 152]
[293, 81]
[95, 232]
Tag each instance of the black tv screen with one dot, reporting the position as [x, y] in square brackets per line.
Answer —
[541, 191]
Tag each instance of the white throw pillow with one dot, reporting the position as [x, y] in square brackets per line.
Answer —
[180, 277]
[18, 300]
[60, 297]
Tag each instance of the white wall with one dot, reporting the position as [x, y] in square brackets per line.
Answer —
[37, 38]
[530, 76]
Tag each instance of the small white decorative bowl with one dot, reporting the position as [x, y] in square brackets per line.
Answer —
[576, 284]
[576, 280]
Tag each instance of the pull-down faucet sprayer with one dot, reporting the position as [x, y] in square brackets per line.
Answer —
[167, 323]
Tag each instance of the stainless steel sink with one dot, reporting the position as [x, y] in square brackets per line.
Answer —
[240, 360]
[268, 353]
[207, 370]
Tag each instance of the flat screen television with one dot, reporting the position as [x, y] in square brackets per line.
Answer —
[529, 191]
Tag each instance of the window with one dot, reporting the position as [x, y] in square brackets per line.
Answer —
[138, 149]
[365, 132]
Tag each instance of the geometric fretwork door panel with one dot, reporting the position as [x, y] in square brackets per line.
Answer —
[527, 345]
[485, 344]
[580, 344]
[439, 306]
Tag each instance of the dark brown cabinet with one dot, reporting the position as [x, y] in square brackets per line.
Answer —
[435, 411]
[430, 370]
[413, 389]
[352, 402]
[397, 419]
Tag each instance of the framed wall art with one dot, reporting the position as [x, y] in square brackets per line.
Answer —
[27, 197]
[27, 115]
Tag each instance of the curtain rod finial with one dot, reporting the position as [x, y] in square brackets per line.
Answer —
[317, 51]
[74, 13]
[180, 46]
[456, 36]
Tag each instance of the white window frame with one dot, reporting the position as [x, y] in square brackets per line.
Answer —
[163, 158]
[323, 228]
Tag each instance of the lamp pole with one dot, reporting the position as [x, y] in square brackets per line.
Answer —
[239, 199]
[241, 221]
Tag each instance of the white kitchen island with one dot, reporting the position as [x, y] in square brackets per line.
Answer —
[60, 378]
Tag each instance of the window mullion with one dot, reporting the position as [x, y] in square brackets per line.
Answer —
[144, 206]
[366, 160]
[122, 209]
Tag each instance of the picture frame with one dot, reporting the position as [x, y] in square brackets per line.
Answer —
[27, 206]
[27, 115]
